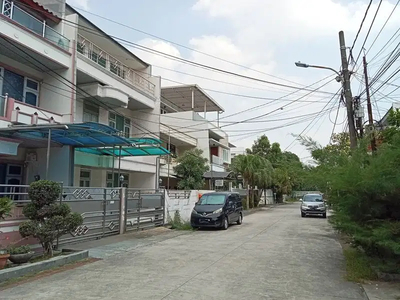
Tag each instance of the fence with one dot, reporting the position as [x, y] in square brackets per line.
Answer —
[105, 211]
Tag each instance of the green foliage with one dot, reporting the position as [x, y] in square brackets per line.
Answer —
[44, 192]
[358, 266]
[18, 249]
[178, 224]
[393, 127]
[364, 191]
[191, 168]
[48, 219]
[6, 205]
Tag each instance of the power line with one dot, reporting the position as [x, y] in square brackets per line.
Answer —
[369, 30]
[180, 45]
[311, 122]
[380, 31]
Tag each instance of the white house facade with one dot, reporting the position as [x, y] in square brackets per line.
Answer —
[65, 85]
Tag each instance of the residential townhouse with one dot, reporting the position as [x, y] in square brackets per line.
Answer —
[57, 68]
[184, 126]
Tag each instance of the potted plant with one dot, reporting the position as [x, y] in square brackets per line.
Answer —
[6, 205]
[20, 254]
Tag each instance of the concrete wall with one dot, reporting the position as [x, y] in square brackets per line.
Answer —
[182, 201]
[184, 122]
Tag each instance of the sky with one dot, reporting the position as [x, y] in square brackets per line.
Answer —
[260, 39]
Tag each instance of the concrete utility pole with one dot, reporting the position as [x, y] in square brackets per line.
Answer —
[369, 107]
[347, 91]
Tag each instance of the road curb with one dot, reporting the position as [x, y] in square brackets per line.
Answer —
[27, 269]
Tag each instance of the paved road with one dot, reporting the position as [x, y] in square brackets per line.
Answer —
[275, 254]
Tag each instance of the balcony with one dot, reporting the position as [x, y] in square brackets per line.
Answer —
[15, 13]
[216, 160]
[177, 138]
[21, 113]
[113, 66]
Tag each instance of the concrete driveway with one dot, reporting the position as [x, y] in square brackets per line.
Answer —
[275, 254]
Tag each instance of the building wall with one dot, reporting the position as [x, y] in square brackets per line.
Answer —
[184, 122]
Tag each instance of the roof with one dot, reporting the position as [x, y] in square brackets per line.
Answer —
[107, 36]
[215, 143]
[181, 96]
[140, 147]
[37, 6]
[217, 175]
[89, 137]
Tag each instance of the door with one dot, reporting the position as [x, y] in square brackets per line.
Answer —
[239, 206]
[14, 179]
[231, 209]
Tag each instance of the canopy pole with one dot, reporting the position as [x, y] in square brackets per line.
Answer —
[113, 167]
[48, 154]
[169, 155]
[119, 163]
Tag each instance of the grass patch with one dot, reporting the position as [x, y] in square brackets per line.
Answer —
[358, 266]
[178, 224]
[292, 200]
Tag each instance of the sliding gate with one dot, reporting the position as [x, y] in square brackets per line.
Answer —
[144, 208]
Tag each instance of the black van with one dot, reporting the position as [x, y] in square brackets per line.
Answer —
[217, 209]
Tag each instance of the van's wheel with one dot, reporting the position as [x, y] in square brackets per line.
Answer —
[240, 220]
[324, 215]
[303, 215]
[225, 224]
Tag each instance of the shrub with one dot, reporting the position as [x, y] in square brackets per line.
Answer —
[365, 193]
[48, 219]
[177, 223]
[19, 249]
[6, 205]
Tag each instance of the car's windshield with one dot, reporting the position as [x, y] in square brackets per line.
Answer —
[212, 200]
[312, 198]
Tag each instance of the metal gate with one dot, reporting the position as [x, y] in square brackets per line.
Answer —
[99, 208]
[144, 208]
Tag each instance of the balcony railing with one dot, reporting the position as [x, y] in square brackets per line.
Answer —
[113, 65]
[217, 160]
[9, 9]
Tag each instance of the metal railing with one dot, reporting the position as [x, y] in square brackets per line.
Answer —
[105, 211]
[113, 65]
[217, 160]
[11, 10]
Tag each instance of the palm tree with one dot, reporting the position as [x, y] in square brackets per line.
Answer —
[241, 166]
[264, 176]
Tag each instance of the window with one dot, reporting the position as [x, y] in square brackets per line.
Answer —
[31, 91]
[98, 59]
[20, 88]
[171, 148]
[90, 113]
[84, 179]
[120, 123]
[225, 155]
[116, 183]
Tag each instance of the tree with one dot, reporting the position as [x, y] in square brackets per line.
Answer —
[255, 171]
[48, 219]
[191, 168]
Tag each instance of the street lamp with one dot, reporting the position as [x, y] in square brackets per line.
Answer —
[303, 65]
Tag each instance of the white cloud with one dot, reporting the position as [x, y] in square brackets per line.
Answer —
[80, 3]
[269, 38]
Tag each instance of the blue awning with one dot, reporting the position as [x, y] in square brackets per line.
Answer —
[87, 134]
[139, 147]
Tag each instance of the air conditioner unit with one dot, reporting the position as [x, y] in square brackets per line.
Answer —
[31, 156]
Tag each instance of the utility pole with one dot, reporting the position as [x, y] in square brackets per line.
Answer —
[369, 107]
[347, 92]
